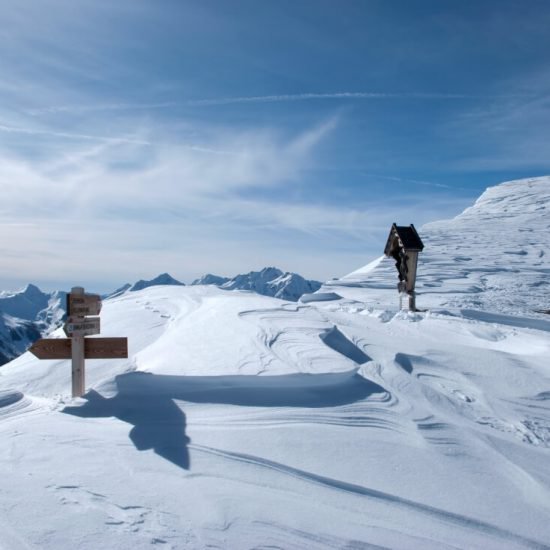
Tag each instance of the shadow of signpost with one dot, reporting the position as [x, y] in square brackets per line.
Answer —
[147, 401]
[159, 424]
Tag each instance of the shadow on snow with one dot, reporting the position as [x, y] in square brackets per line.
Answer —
[147, 401]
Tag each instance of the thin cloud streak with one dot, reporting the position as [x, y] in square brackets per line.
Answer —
[274, 98]
[414, 181]
[162, 176]
[100, 107]
[346, 95]
[70, 135]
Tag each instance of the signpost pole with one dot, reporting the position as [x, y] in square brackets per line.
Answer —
[78, 373]
[77, 354]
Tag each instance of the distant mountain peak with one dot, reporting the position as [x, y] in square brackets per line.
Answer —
[162, 279]
[32, 290]
[210, 279]
[269, 281]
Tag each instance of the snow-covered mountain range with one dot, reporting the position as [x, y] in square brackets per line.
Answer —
[270, 281]
[25, 316]
[244, 421]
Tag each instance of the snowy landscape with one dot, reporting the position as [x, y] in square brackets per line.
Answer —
[246, 419]
[28, 314]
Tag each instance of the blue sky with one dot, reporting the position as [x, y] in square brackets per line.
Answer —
[138, 137]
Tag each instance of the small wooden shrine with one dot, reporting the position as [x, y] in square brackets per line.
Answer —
[403, 245]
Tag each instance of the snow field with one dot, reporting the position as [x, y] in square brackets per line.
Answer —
[353, 426]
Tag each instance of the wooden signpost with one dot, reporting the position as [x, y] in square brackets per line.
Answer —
[82, 321]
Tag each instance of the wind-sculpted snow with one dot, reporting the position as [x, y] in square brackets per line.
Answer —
[242, 421]
[492, 257]
[8, 398]
[15, 404]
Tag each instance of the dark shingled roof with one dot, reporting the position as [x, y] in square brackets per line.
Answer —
[405, 236]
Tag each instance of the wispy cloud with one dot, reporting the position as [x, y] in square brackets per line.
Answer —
[507, 135]
[184, 202]
[54, 109]
[344, 95]
[94, 183]
[275, 98]
[69, 135]
[413, 181]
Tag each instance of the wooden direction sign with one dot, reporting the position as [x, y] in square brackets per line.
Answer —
[94, 348]
[81, 305]
[82, 327]
[78, 348]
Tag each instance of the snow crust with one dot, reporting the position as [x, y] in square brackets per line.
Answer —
[244, 421]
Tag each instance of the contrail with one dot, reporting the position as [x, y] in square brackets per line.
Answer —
[275, 98]
[100, 107]
[31, 131]
[342, 95]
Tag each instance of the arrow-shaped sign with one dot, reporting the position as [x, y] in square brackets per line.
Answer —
[94, 348]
